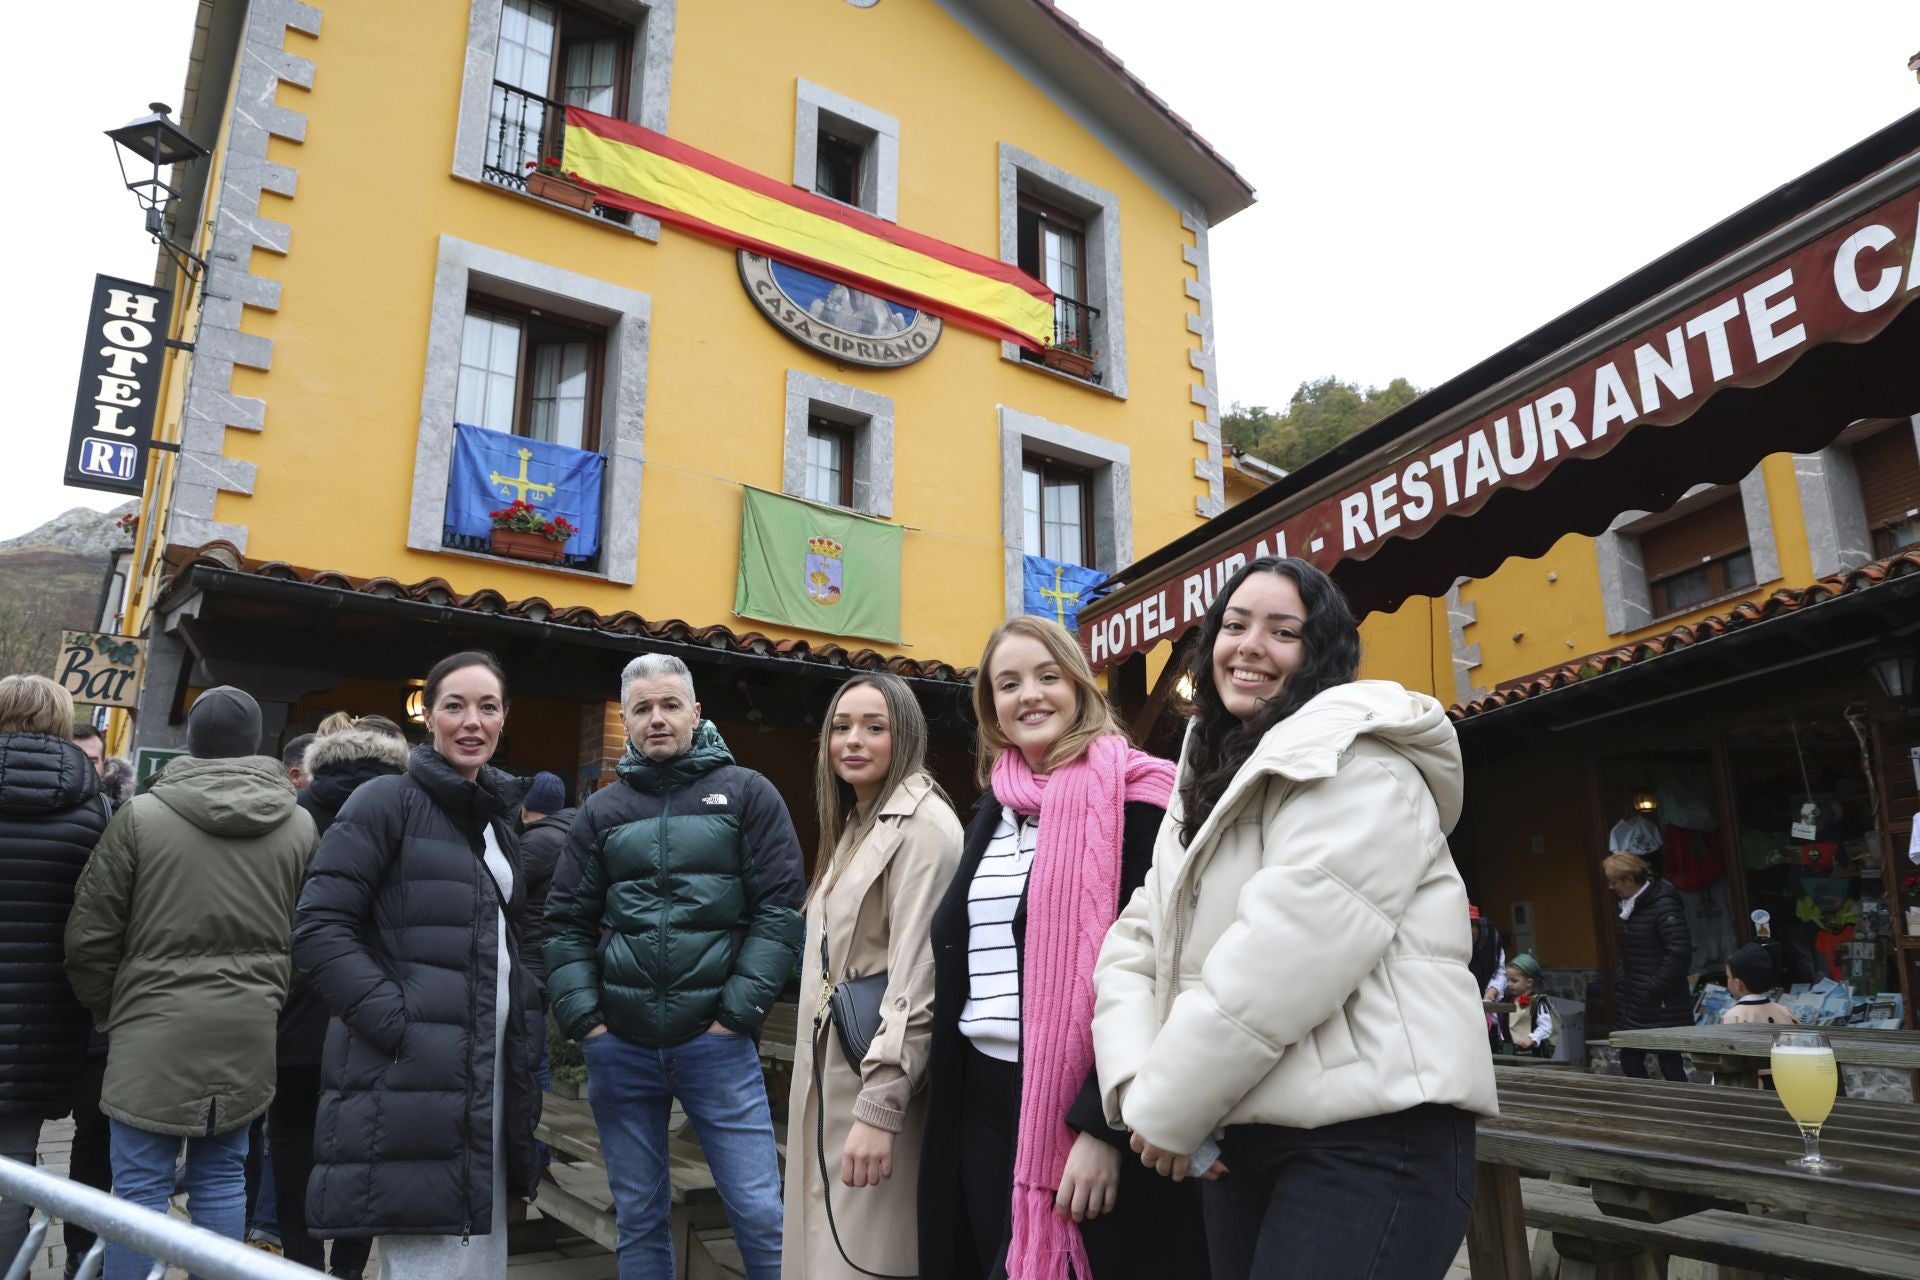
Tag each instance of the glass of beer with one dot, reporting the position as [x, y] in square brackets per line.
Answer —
[1807, 1077]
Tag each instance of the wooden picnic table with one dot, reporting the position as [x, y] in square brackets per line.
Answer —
[1657, 1152]
[1736, 1053]
[1859, 1046]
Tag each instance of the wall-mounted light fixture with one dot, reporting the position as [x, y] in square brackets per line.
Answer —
[1894, 670]
[155, 142]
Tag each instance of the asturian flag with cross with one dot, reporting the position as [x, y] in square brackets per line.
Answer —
[491, 469]
[1055, 589]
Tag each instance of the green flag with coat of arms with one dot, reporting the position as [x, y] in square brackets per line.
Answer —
[818, 568]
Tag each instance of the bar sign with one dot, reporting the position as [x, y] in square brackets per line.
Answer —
[114, 406]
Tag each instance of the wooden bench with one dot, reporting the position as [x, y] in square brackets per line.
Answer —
[567, 1126]
[1538, 1064]
[1724, 1238]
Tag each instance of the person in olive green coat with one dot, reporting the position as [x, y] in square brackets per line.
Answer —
[178, 945]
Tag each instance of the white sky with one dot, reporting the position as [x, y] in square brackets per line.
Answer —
[1435, 180]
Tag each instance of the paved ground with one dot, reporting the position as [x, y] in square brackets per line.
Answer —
[566, 1256]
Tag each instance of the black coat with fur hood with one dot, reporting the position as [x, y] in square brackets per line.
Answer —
[336, 764]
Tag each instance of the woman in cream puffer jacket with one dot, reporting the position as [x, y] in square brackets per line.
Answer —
[1292, 978]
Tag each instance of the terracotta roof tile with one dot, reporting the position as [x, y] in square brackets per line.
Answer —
[1745, 614]
[438, 591]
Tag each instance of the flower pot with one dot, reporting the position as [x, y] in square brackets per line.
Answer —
[560, 191]
[1913, 922]
[526, 546]
[1068, 362]
[574, 1089]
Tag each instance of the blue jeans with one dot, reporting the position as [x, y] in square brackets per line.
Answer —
[1384, 1198]
[143, 1175]
[718, 1082]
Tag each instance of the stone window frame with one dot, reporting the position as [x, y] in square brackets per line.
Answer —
[1101, 210]
[868, 414]
[649, 88]
[874, 129]
[1110, 464]
[1626, 598]
[463, 268]
[1831, 504]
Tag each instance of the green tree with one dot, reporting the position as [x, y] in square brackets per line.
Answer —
[1321, 415]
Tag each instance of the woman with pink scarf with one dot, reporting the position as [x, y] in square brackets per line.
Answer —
[1020, 1174]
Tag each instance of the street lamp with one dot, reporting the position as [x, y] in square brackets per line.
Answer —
[155, 140]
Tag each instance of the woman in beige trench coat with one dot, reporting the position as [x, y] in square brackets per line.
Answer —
[889, 846]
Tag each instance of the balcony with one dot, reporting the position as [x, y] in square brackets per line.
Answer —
[1072, 352]
[522, 129]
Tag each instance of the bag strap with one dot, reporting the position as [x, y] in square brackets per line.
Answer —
[820, 1139]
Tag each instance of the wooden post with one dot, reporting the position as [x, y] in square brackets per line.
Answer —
[1497, 1233]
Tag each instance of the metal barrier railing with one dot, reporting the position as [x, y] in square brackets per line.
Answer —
[155, 1235]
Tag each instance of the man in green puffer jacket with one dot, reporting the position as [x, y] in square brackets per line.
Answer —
[178, 944]
[673, 923]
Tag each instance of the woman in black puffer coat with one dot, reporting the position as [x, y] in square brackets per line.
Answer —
[409, 927]
[342, 757]
[1655, 945]
[51, 816]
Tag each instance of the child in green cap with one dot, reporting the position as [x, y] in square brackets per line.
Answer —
[1530, 1026]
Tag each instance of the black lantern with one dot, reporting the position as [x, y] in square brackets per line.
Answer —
[1894, 670]
[156, 141]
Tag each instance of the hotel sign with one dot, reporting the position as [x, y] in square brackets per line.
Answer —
[119, 384]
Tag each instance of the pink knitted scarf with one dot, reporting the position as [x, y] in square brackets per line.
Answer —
[1073, 896]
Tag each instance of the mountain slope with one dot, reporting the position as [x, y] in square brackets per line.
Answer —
[50, 581]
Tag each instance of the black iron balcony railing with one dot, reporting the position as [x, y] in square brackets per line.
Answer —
[1072, 351]
[1073, 324]
[523, 129]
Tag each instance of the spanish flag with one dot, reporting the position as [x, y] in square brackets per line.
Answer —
[629, 167]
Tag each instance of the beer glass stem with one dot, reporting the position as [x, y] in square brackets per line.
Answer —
[1811, 1135]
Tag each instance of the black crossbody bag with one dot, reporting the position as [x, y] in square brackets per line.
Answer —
[854, 1009]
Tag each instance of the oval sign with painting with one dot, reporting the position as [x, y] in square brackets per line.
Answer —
[838, 321]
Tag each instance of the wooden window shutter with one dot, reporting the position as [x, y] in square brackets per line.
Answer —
[1889, 467]
[1707, 534]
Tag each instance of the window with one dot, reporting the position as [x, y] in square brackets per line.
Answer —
[837, 445]
[1053, 250]
[527, 374]
[524, 307]
[837, 165]
[550, 57]
[1055, 499]
[1888, 464]
[1698, 557]
[1065, 232]
[846, 151]
[829, 462]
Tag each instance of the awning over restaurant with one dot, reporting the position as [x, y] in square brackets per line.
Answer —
[1768, 333]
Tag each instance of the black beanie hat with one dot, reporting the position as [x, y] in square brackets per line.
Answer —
[223, 723]
[1754, 966]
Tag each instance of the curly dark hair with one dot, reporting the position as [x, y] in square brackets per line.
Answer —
[1221, 741]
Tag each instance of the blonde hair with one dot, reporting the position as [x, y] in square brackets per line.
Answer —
[1626, 866]
[1092, 716]
[338, 722]
[35, 704]
[833, 797]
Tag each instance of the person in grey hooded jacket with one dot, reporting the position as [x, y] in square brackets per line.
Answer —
[178, 944]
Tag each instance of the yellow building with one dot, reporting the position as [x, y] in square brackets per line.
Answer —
[380, 271]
